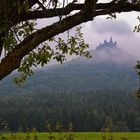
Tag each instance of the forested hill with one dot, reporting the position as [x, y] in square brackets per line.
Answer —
[109, 68]
[86, 93]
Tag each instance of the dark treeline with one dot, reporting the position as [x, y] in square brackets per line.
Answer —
[87, 111]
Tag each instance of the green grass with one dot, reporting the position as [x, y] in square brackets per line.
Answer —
[77, 136]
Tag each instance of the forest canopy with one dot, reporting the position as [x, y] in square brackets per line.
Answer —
[23, 46]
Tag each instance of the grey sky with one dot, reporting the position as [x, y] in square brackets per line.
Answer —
[112, 26]
[121, 31]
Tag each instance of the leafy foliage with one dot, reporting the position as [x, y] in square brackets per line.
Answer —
[18, 30]
[137, 69]
[44, 54]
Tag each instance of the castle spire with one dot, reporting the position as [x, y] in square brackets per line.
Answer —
[115, 43]
[111, 39]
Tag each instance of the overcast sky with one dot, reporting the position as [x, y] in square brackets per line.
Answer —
[120, 29]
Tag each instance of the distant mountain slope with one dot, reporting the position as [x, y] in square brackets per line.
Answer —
[110, 68]
[108, 52]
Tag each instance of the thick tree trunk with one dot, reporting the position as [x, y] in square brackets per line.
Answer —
[13, 59]
[88, 11]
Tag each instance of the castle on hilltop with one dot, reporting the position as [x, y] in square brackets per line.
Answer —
[106, 44]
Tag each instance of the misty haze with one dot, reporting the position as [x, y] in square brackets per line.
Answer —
[69, 70]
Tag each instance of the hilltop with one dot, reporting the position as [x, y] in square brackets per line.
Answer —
[110, 68]
[108, 52]
[84, 92]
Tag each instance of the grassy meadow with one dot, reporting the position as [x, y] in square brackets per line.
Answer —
[72, 136]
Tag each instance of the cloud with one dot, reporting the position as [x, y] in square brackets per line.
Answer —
[100, 28]
[120, 30]
[113, 26]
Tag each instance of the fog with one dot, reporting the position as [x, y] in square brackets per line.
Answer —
[120, 30]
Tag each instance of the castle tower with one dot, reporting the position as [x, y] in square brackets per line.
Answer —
[111, 40]
[115, 43]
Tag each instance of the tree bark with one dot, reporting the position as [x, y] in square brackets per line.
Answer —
[13, 59]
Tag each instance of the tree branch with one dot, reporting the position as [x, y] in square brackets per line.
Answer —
[100, 9]
[48, 13]
[118, 8]
[13, 59]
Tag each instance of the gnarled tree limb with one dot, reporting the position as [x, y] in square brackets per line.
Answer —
[87, 12]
